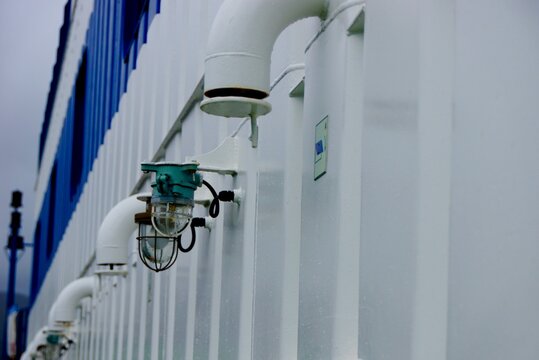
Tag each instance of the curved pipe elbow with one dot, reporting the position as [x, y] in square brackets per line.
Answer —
[40, 338]
[116, 230]
[241, 41]
[64, 309]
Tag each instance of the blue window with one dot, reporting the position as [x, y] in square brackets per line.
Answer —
[52, 209]
[35, 265]
[77, 148]
[133, 11]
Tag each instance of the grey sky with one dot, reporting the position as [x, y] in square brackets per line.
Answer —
[28, 41]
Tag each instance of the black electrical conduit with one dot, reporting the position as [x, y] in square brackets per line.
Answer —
[213, 211]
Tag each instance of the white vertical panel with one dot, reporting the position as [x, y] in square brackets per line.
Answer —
[144, 97]
[347, 289]
[122, 318]
[191, 304]
[115, 161]
[131, 127]
[153, 86]
[192, 66]
[82, 334]
[143, 293]
[93, 327]
[108, 172]
[98, 332]
[435, 113]
[86, 226]
[112, 172]
[156, 326]
[82, 236]
[122, 152]
[137, 121]
[247, 281]
[91, 204]
[180, 60]
[100, 174]
[142, 113]
[167, 44]
[104, 313]
[202, 40]
[291, 253]
[99, 163]
[171, 308]
[87, 330]
[131, 319]
[217, 238]
[113, 323]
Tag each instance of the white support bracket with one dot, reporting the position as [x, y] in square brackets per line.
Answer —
[223, 160]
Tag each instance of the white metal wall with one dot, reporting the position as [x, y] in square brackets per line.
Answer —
[414, 149]
[203, 307]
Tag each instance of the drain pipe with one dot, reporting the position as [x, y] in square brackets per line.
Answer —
[64, 310]
[237, 67]
[241, 41]
[114, 234]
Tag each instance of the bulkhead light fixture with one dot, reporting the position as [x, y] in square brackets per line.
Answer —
[156, 251]
[173, 194]
[169, 211]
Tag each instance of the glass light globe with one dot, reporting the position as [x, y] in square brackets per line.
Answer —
[155, 249]
[170, 219]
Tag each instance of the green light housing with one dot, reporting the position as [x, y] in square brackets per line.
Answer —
[53, 339]
[173, 193]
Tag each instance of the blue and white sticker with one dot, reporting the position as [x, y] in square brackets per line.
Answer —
[321, 148]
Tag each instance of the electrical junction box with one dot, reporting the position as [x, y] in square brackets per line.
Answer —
[321, 148]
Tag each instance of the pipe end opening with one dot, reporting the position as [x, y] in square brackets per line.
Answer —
[235, 106]
[236, 92]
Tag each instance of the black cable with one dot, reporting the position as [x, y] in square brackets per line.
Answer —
[193, 241]
[214, 205]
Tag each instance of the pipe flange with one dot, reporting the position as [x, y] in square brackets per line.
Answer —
[235, 106]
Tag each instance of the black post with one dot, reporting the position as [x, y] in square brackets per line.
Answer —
[15, 243]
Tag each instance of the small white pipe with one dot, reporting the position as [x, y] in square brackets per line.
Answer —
[116, 230]
[241, 41]
[290, 68]
[340, 9]
[64, 309]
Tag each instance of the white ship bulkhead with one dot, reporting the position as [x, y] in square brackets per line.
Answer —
[419, 241]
